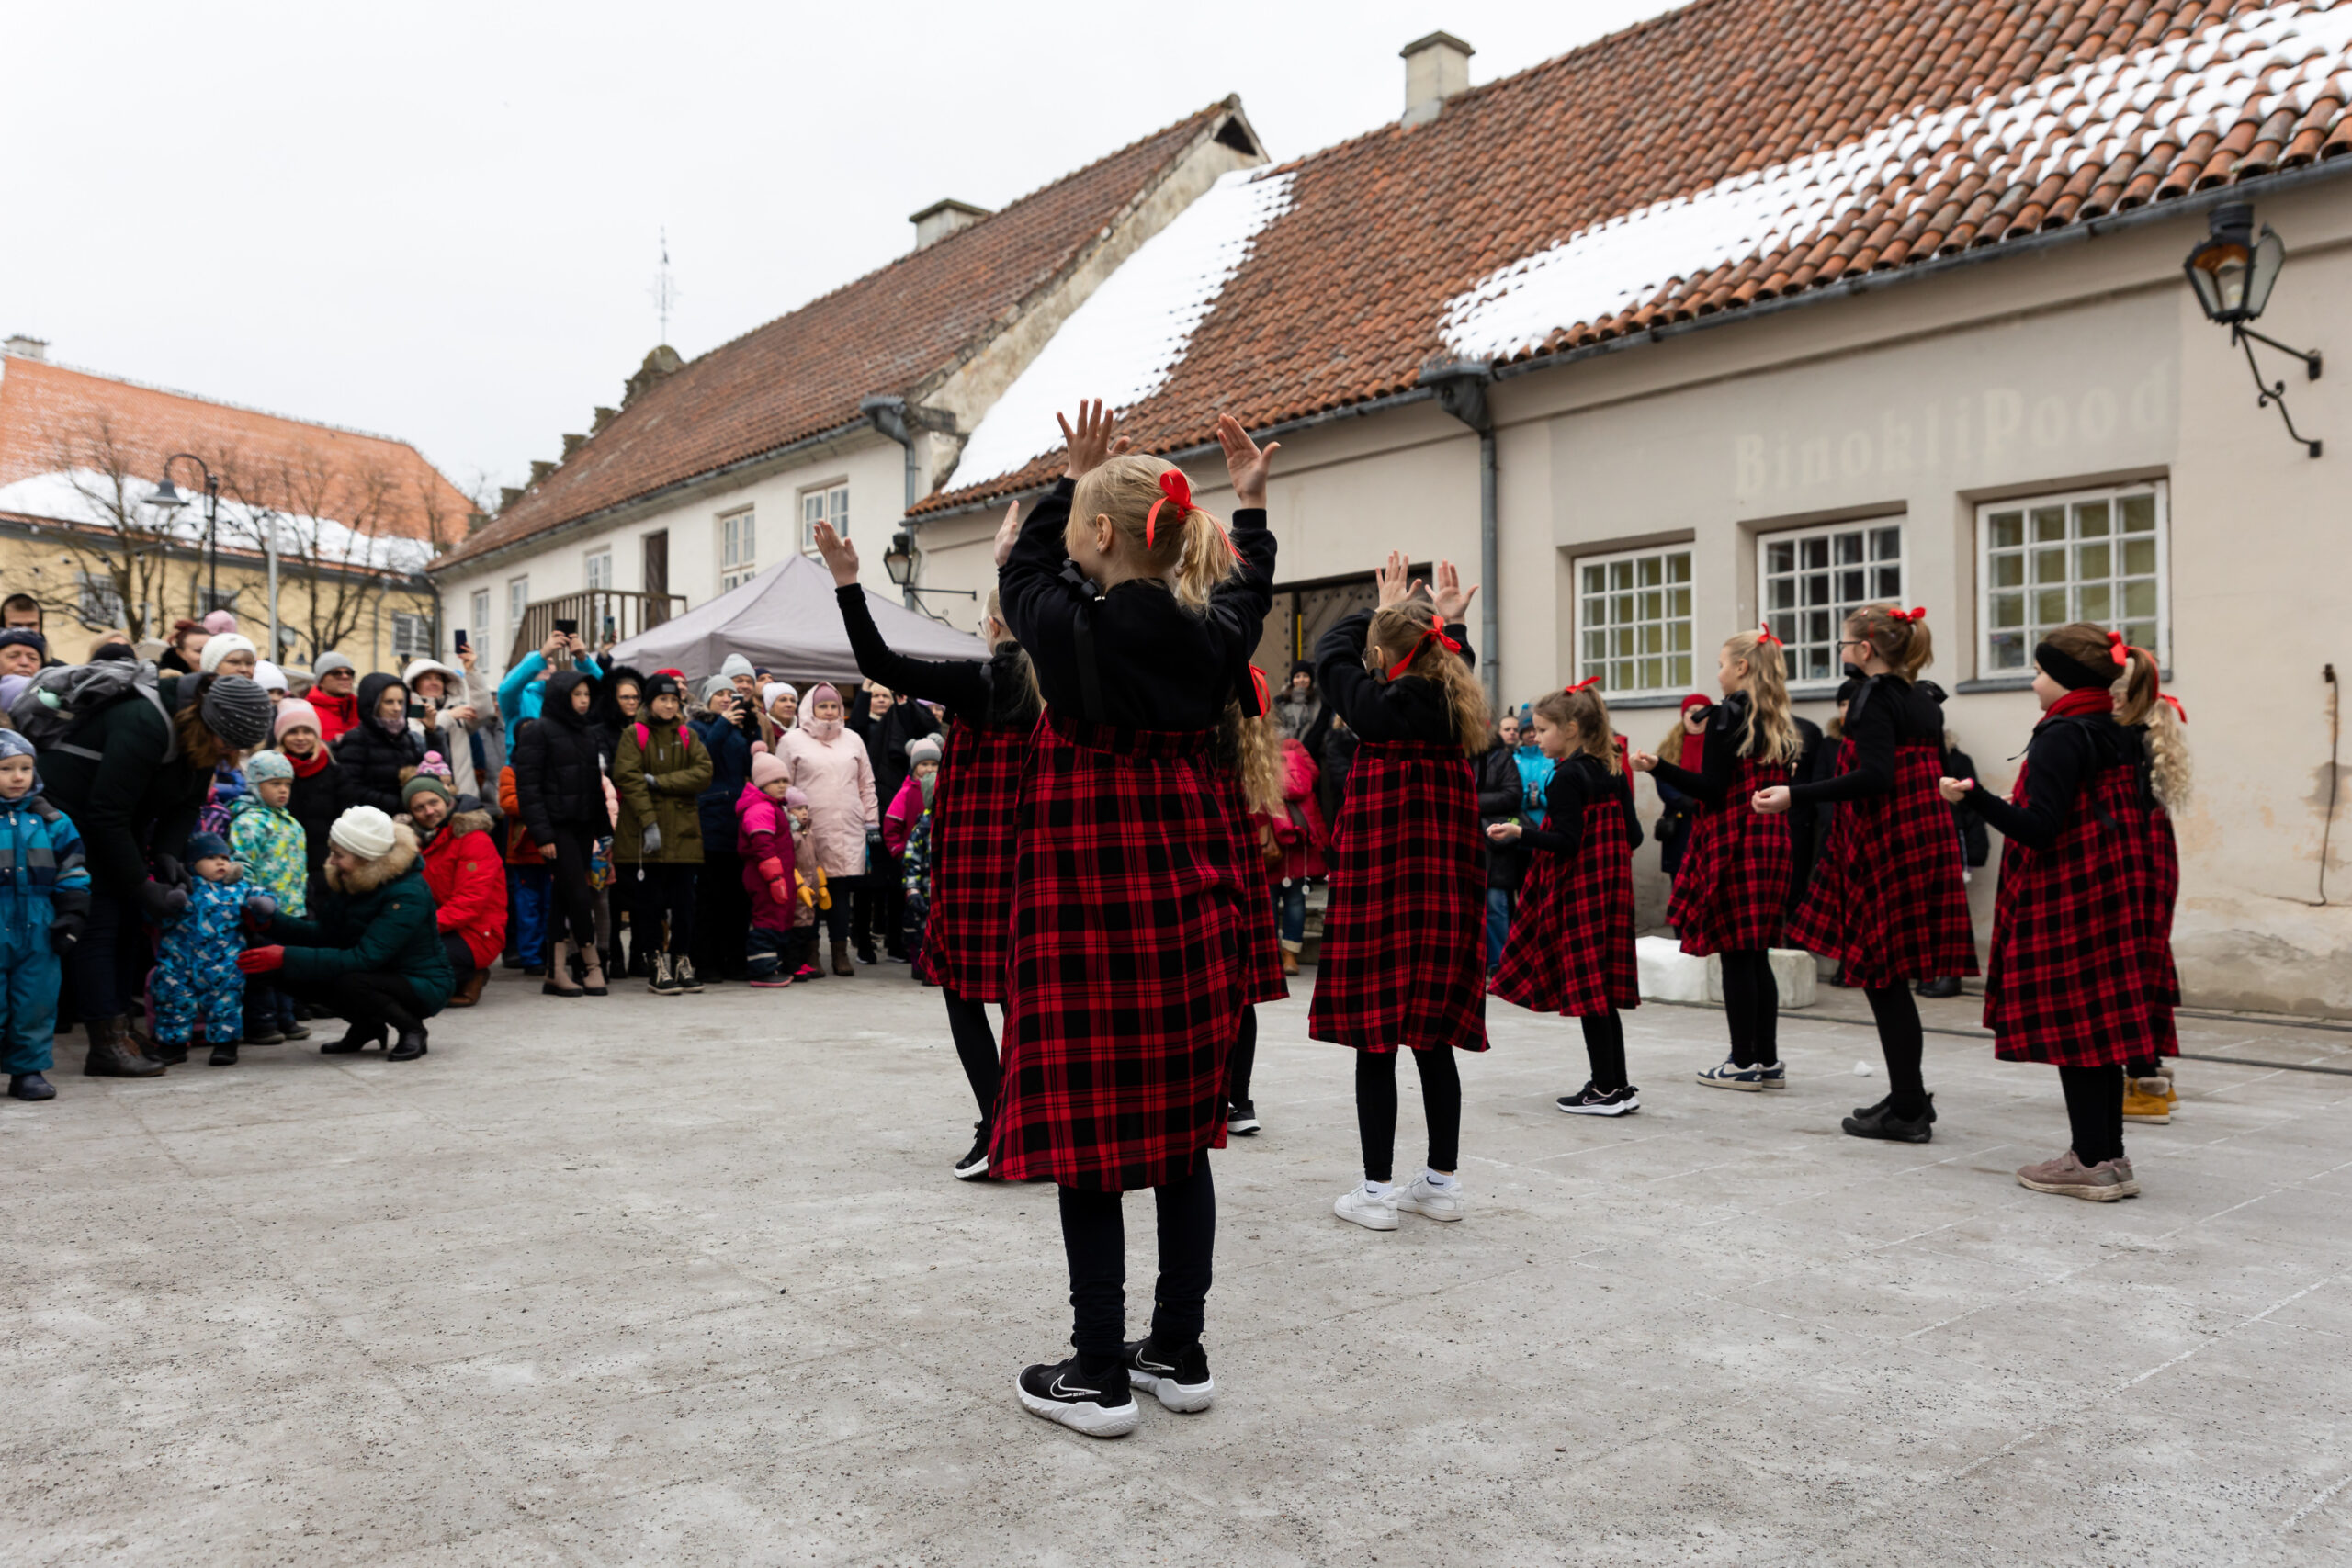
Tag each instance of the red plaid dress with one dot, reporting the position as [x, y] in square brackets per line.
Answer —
[967, 939]
[1404, 941]
[1126, 974]
[1571, 946]
[1262, 943]
[1731, 890]
[1887, 900]
[2081, 969]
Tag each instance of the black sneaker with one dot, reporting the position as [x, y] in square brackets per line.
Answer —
[297, 1031]
[1098, 1407]
[663, 982]
[974, 1166]
[1880, 1122]
[682, 970]
[1241, 1116]
[266, 1034]
[865, 956]
[1180, 1378]
[1591, 1102]
[1881, 1108]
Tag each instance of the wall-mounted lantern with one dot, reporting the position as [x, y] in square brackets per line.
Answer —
[2233, 272]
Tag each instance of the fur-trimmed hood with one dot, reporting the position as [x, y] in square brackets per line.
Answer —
[456, 826]
[375, 873]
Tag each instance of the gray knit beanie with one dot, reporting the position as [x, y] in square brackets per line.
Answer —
[235, 708]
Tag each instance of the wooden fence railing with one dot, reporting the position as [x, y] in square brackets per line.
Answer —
[606, 615]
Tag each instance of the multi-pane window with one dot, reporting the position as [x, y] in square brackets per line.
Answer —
[739, 550]
[598, 568]
[101, 605]
[478, 624]
[1633, 621]
[411, 636]
[518, 599]
[826, 504]
[1810, 581]
[2096, 556]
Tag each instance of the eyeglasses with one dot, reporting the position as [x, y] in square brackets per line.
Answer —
[1853, 642]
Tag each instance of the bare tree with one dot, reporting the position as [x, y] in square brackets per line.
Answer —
[333, 521]
[120, 550]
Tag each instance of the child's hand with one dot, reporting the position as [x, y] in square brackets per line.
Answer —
[1396, 580]
[840, 556]
[779, 893]
[1954, 791]
[1008, 533]
[1451, 600]
[1771, 802]
[1503, 832]
[1643, 761]
[261, 960]
[1092, 444]
[1245, 461]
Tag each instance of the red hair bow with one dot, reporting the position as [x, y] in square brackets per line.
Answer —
[1436, 634]
[2118, 650]
[1265, 698]
[2178, 712]
[1174, 487]
[1911, 616]
[1580, 685]
[1764, 634]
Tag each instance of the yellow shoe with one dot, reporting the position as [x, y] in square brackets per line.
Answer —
[2145, 1101]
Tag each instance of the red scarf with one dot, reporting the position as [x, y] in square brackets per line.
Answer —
[304, 767]
[1694, 746]
[2084, 701]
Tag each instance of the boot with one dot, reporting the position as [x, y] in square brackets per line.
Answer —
[355, 1040]
[469, 993]
[30, 1086]
[841, 960]
[591, 974]
[559, 980]
[111, 1055]
[224, 1055]
[660, 982]
[409, 1046]
[1290, 961]
[681, 971]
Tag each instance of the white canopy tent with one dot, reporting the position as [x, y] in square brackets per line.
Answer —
[786, 620]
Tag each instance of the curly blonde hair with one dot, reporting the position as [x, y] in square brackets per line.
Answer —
[1399, 634]
[1251, 749]
[1188, 548]
[1770, 735]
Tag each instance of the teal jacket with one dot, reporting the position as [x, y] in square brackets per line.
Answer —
[42, 872]
[520, 696]
[378, 920]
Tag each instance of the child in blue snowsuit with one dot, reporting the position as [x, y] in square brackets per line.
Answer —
[44, 900]
[197, 978]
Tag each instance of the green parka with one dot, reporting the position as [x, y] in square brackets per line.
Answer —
[377, 919]
[658, 781]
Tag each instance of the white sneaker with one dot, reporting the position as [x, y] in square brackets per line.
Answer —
[1374, 1213]
[1435, 1203]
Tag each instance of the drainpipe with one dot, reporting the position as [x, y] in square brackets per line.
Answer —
[1461, 386]
[888, 414]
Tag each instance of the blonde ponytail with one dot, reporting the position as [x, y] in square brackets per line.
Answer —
[1399, 634]
[1185, 547]
[2139, 700]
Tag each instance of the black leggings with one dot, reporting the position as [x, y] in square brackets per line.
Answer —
[369, 999]
[967, 1022]
[1376, 1108]
[575, 901]
[1604, 1048]
[2095, 1111]
[461, 956]
[1244, 1060]
[1752, 1003]
[1095, 1237]
[658, 891]
[1899, 1037]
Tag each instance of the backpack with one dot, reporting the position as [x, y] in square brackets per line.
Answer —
[645, 736]
[64, 697]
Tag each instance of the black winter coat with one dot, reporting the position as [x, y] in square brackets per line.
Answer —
[1500, 800]
[375, 763]
[130, 802]
[560, 766]
[316, 802]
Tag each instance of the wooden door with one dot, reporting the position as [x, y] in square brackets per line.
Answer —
[657, 571]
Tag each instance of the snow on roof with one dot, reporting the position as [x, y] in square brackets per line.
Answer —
[85, 496]
[2122, 106]
[1125, 340]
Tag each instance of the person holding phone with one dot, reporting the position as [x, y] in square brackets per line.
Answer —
[524, 692]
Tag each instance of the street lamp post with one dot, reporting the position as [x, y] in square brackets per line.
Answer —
[2233, 272]
[168, 498]
[899, 560]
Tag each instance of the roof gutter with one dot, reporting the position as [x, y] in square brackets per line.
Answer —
[1461, 386]
[1937, 266]
[652, 500]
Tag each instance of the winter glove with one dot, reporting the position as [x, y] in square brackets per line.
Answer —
[780, 891]
[64, 931]
[259, 909]
[773, 869]
[261, 960]
[161, 904]
[171, 873]
[808, 895]
[652, 842]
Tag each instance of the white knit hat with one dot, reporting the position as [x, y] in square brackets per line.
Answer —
[427, 667]
[364, 831]
[218, 646]
[774, 689]
[271, 677]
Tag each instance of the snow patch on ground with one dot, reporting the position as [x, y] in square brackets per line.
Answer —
[1131, 332]
[87, 496]
[2283, 55]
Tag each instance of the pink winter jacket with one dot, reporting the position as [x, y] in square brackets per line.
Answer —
[763, 837]
[838, 777]
[899, 822]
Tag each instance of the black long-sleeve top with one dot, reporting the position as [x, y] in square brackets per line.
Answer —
[1887, 712]
[1718, 754]
[1159, 665]
[1579, 782]
[2060, 760]
[959, 684]
[1411, 708]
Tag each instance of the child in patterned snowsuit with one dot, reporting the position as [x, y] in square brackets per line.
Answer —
[44, 899]
[197, 978]
[268, 842]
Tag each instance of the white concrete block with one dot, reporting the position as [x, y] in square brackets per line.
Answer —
[1668, 974]
[1792, 972]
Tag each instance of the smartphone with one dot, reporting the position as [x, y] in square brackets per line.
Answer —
[460, 635]
[568, 629]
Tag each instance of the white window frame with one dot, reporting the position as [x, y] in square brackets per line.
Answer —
[2159, 641]
[739, 546]
[479, 631]
[1663, 554]
[827, 502]
[596, 569]
[518, 600]
[1788, 624]
[100, 604]
[411, 636]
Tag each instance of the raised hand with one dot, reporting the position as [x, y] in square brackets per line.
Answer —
[1451, 600]
[1007, 533]
[1396, 580]
[1092, 444]
[839, 555]
[1245, 461]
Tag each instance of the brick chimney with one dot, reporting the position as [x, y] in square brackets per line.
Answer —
[22, 347]
[1436, 68]
[941, 218]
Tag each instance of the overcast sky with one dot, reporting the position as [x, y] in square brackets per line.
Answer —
[440, 222]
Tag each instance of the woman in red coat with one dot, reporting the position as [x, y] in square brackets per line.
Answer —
[463, 867]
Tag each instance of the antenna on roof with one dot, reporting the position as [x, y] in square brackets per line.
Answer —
[665, 291]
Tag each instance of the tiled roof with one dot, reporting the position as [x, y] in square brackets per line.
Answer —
[50, 414]
[1726, 153]
[885, 334]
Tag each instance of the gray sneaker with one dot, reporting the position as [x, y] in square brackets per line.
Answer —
[2102, 1183]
